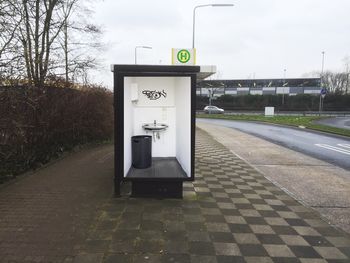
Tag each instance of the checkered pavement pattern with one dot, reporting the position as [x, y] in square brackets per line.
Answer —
[231, 213]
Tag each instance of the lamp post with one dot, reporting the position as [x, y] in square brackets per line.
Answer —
[320, 103]
[210, 93]
[347, 79]
[194, 16]
[210, 96]
[147, 47]
[284, 83]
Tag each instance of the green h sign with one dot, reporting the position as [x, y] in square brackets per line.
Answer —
[183, 56]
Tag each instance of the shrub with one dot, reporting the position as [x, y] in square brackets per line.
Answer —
[38, 124]
[301, 102]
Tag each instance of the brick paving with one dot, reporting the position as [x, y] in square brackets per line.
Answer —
[231, 213]
[44, 217]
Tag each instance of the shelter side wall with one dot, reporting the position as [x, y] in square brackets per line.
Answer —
[128, 122]
[183, 122]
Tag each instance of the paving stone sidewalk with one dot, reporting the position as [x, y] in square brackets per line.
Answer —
[45, 216]
[231, 213]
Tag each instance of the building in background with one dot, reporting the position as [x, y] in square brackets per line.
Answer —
[259, 87]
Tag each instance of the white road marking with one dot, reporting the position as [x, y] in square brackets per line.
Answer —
[344, 145]
[333, 148]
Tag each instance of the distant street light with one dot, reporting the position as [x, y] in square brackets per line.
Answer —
[347, 77]
[284, 82]
[147, 47]
[194, 16]
[210, 97]
[321, 97]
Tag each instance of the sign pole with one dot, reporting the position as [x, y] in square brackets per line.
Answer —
[323, 93]
[322, 88]
[320, 105]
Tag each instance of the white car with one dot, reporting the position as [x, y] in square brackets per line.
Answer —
[213, 109]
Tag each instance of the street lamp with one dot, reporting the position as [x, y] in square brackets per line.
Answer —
[320, 103]
[284, 83]
[194, 16]
[210, 97]
[210, 93]
[147, 47]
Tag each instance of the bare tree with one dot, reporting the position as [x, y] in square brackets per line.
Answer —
[334, 82]
[79, 40]
[35, 34]
[9, 24]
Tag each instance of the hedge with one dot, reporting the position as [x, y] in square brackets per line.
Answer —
[302, 102]
[37, 124]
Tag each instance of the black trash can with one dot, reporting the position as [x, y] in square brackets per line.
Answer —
[141, 151]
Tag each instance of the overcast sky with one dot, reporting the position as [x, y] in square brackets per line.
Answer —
[255, 38]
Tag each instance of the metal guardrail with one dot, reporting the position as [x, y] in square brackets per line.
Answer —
[289, 113]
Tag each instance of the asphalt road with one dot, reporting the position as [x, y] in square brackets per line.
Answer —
[339, 122]
[334, 150]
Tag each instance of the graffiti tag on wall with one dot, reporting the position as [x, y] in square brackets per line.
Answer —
[153, 94]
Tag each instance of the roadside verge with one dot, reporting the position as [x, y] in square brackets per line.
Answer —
[308, 122]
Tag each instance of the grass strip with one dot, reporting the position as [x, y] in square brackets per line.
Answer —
[295, 121]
